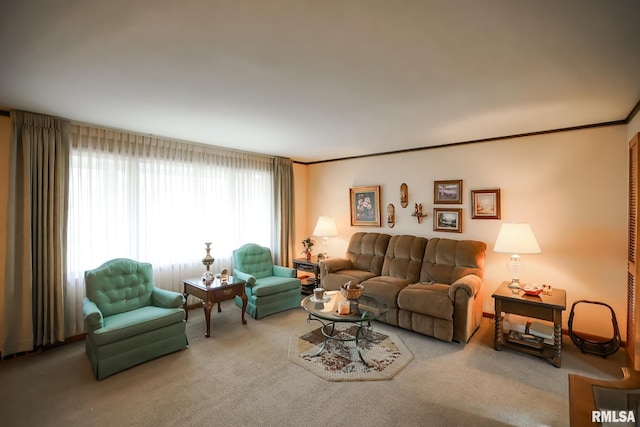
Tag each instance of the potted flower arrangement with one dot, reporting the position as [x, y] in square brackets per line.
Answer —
[308, 247]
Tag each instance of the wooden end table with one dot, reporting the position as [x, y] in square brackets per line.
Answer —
[302, 264]
[214, 293]
[544, 307]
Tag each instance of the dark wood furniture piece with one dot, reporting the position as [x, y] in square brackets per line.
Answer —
[301, 264]
[587, 395]
[544, 307]
[214, 293]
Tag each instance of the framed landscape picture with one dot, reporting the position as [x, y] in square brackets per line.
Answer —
[445, 219]
[485, 204]
[365, 205]
[447, 192]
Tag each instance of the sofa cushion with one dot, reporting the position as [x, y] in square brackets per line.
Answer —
[447, 260]
[430, 299]
[404, 256]
[385, 289]
[136, 322]
[366, 251]
[334, 281]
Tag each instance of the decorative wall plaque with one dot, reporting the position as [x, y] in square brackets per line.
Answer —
[391, 215]
[404, 195]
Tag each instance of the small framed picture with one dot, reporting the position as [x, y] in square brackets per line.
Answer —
[445, 219]
[447, 192]
[365, 205]
[485, 204]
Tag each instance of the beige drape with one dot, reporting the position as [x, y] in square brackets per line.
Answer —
[284, 210]
[36, 233]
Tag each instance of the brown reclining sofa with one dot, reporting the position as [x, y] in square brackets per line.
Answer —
[431, 286]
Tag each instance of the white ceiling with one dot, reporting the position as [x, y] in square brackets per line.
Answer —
[323, 79]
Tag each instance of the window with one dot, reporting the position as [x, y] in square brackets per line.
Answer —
[158, 201]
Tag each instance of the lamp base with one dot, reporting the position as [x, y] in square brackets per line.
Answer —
[515, 284]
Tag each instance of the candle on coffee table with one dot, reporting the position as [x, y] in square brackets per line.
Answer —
[344, 307]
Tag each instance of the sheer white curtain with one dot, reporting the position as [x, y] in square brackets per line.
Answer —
[158, 201]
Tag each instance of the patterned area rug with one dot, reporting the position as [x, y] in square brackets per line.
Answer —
[386, 355]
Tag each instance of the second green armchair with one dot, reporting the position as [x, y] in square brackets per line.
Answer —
[270, 288]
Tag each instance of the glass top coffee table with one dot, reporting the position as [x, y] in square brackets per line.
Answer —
[362, 312]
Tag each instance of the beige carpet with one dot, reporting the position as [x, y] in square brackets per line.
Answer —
[385, 355]
[240, 376]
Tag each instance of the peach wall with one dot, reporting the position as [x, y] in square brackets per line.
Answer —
[570, 186]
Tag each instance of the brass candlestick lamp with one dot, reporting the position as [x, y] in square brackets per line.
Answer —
[208, 260]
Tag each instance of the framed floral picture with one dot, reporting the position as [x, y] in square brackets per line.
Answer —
[447, 192]
[485, 204]
[445, 219]
[365, 205]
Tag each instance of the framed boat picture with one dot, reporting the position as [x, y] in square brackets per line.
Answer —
[485, 204]
[447, 192]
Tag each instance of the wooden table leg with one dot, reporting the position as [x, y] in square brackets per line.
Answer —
[207, 316]
[557, 338]
[497, 343]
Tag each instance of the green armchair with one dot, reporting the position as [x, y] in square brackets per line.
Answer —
[128, 320]
[270, 288]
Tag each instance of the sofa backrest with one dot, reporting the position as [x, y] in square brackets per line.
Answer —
[366, 251]
[404, 257]
[447, 260]
[120, 285]
[253, 259]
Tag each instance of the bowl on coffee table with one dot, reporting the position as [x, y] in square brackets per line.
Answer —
[352, 291]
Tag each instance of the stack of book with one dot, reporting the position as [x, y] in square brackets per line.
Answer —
[542, 330]
[514, 322]
[526, 340]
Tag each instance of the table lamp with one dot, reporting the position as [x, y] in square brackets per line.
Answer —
[325, 228]
[516, 239]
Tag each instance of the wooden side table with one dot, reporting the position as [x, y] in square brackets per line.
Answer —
[310, 266]
[544, 307]
[214, 293]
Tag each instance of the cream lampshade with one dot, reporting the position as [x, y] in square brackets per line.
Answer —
[515, 239]
[325, 228]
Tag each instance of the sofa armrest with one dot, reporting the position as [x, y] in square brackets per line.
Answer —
[251, 280]
[92, 315]
[466, 295]
[332, 265]
[166, 299]
[470, 284]
[281, 271]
